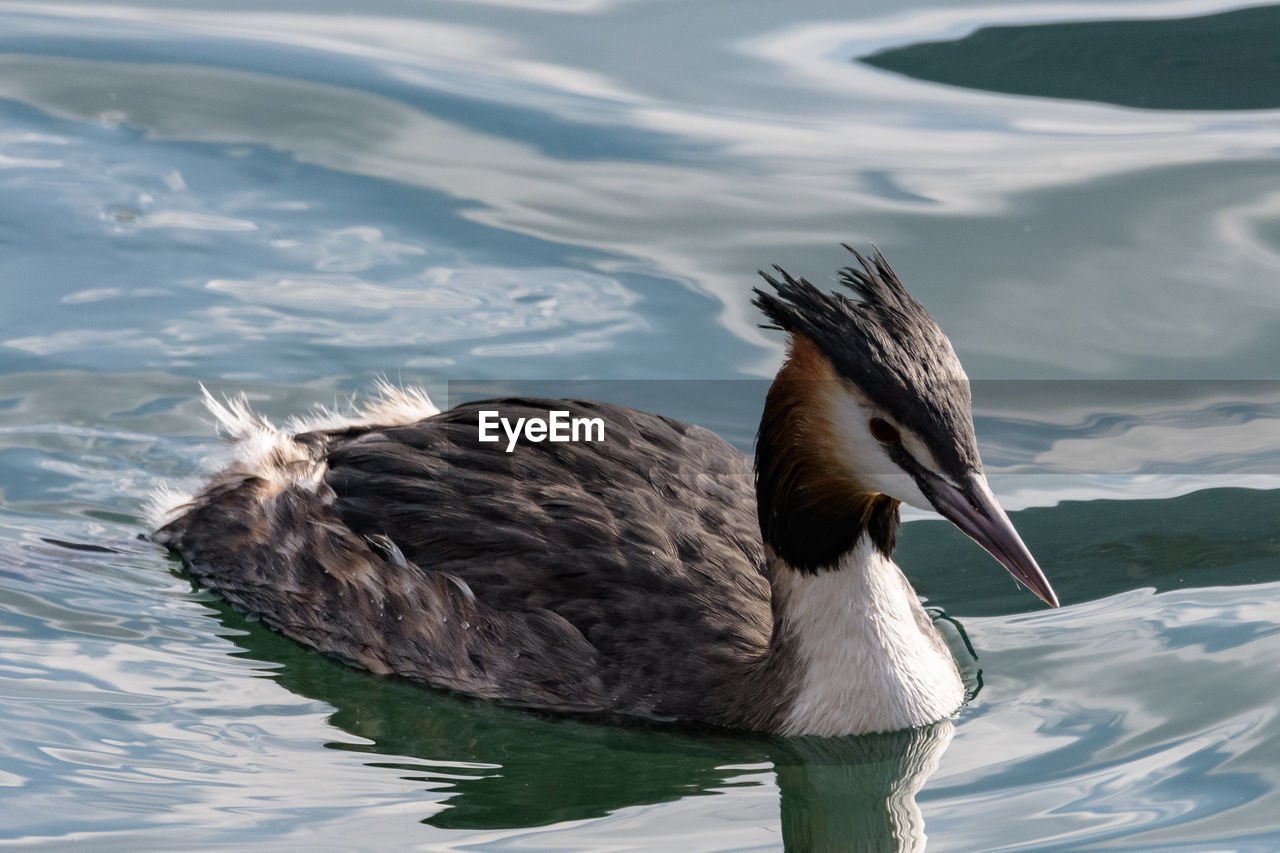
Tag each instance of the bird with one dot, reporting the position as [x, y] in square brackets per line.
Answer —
[656, 573]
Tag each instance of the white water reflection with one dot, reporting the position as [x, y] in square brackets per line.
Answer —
[128, 725]
[821, 150]
[1234, 448]
[435, 306]
[1120, 690]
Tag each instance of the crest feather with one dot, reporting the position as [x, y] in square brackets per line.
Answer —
[886, 344]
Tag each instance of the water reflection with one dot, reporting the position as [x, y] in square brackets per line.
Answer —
[1097, 548]
[1121, 721]
[858, 793]
[505, 768]
[1210, 62]
[987, 202]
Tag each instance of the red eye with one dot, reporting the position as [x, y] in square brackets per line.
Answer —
[883, 431]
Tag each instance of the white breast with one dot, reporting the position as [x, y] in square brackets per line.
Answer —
[870, 658]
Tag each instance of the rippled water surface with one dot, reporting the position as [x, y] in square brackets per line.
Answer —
[295, 198]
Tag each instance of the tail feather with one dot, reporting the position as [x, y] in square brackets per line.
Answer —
[235, 419]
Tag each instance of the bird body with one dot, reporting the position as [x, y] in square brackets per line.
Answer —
[651, 574]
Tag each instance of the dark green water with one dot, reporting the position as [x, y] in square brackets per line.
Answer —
[1224, 61]
[294, 199]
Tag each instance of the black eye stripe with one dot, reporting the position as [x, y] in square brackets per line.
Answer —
[883, 431]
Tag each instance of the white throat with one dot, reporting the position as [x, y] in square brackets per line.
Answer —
[870, 659]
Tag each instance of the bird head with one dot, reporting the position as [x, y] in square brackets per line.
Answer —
[871, 408]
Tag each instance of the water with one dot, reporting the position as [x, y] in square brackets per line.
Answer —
[292, 200]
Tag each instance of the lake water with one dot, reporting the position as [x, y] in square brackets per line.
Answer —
[293, 199]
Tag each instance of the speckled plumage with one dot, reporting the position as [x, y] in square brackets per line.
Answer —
[558, 575]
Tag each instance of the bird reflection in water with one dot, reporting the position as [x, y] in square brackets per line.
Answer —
[486, 767]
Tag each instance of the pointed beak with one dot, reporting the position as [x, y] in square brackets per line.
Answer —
[975, 511]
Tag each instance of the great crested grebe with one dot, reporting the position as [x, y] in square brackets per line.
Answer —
[630, 575]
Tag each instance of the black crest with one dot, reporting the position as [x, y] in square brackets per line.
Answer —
[886, 344]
